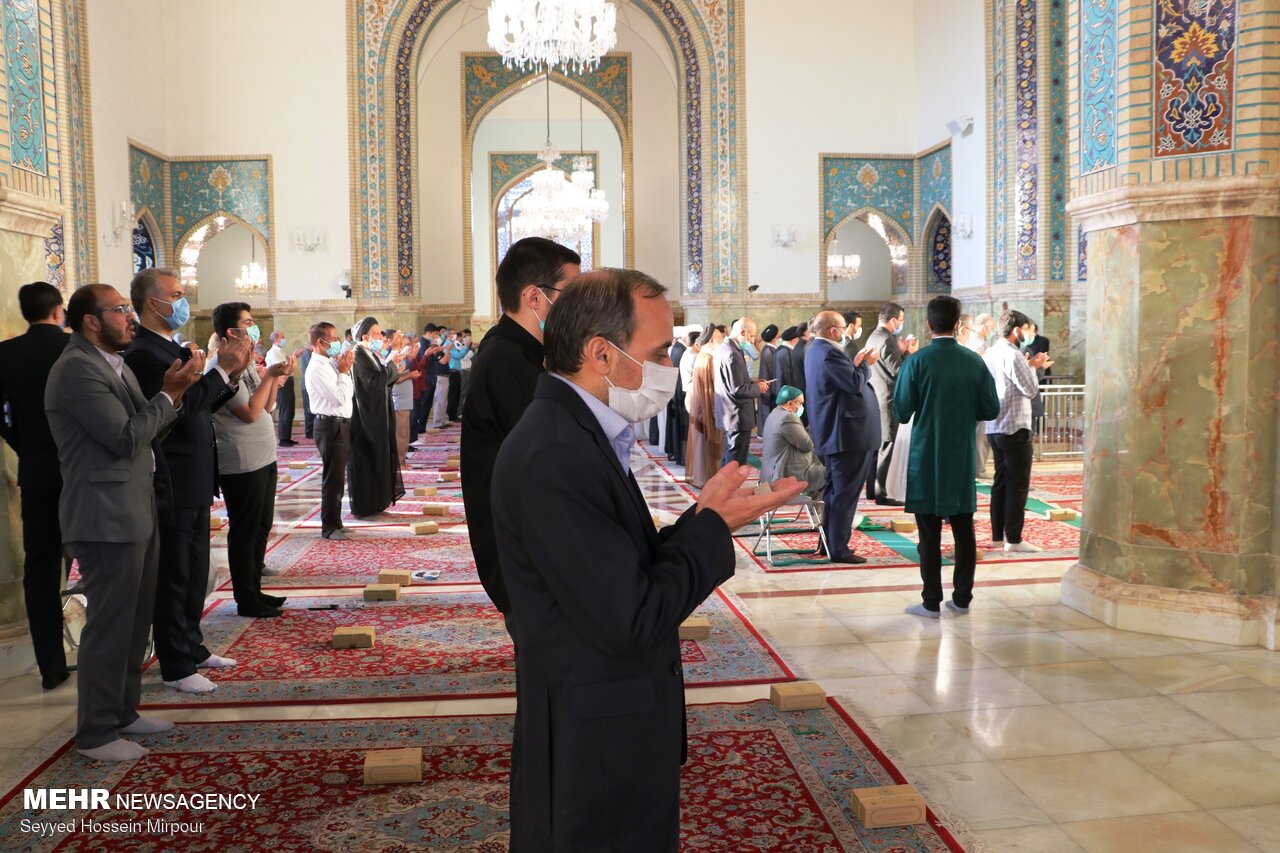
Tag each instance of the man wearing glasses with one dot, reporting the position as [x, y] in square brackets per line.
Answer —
[330, 388]
[108, 435]
[504, 376]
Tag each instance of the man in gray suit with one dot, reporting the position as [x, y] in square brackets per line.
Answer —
[106, 433]
[893, 351]
[736, 392]
[788, 449]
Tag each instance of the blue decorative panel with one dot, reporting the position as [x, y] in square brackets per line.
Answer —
[852, 183]
[24, 73]
[200, 188]
[146, 183]
[485, 76]
[55, 257]
[935, 183]
[1027, 161]
[76, 172]
[1058, 140]
[1097, 85]
[939, 278]
[503, 167]
[144, 247]
[1195, 76]
[999, 145]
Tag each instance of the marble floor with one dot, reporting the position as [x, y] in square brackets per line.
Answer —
[1035, 727]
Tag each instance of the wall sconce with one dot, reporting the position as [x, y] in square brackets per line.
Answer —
[309, 241]
[121, 224]
[964, 226]
[344, 283]
[784, 238]
[960, 126]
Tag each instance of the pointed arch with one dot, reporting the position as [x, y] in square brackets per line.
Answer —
[182, 242]
[935, 251]
[895, 233]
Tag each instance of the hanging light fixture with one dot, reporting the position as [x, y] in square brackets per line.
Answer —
[898, 251]
[546, 34]
[555, 207]
[842, 267]
[595, 205]
[253, 276]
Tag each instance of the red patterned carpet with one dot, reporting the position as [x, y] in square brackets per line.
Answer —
[430, 645]
[756, 780]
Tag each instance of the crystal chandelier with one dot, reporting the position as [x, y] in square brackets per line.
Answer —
[897, 250]
[543, 34]
[594, 204]
[253, 276]
[842, 267]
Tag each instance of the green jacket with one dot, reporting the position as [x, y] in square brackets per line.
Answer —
[944, 390]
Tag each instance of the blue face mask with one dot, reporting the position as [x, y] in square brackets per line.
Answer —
[335, 349]
[749, 349]
[181, 313]
[255, 333]
[376, 345]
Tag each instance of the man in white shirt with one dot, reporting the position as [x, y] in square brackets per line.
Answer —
[330, 388]
[1009, 435]
[285, 405]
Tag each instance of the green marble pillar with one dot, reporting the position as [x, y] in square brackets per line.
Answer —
[1181, 485]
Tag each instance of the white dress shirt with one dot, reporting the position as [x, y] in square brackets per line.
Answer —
[328, 390]
[275, 356]
[688, 362]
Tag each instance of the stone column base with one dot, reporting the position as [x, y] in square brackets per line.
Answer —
[1235, 620]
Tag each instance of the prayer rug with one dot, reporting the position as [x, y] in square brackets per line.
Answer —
[756, 779]
[428, 645]
[1051, 486]
[306, 560]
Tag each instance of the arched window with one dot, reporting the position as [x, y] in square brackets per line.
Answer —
[940, 256]
[509, 206]
[144, 247]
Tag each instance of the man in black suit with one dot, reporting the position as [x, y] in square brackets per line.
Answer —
[784, 369]
[186, 473]
[803, 336]
[737, 392]
[597, 592]
[677, 415]
[768, 372]
[25, 362]
[1039, 344]
[308, 417]
[504, 375]
[845, 423]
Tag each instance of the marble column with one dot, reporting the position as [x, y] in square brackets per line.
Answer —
[1181, 484]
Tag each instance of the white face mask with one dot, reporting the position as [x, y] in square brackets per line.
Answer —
[656, 390]
[851, 335]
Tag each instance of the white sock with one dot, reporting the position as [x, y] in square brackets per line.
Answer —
[118, 750]
[921, 610]
[146, 726]
[1021, 548]
[956, 608]
[194, 683]
[215, 662]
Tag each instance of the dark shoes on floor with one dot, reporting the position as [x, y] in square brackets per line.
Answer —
[57, 679]
[289, 442]
[271, 600]
[888, 502]
[850, 558]
[258, 610]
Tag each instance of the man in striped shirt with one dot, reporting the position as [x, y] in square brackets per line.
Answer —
[1009, 435]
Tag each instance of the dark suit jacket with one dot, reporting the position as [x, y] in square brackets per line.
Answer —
[843, 412]
[799, 378]
[597, 598]
[187, 470]
[884, 374]
[735, 388]
[784, 368]
[769, 369]
[504, 374]
[25, 362]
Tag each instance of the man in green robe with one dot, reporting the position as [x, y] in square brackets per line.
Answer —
[944, 390]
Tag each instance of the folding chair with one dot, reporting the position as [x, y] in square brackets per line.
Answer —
[811, 510]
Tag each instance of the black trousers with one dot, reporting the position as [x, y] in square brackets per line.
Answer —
[308, 417]
[930, 527]
[455, 393]
[333, 439]
[422, 408]
[285, 411]
[181, 586]
[846, 472]
[1012, 454]
[251, 508]
[42, 575]
[737, 447]
[120, 589]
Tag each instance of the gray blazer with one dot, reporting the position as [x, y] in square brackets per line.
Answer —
[736, 392]
[788, 452]
[884, 376]
[104, 429]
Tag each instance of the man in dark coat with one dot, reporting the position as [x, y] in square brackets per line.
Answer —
[186, 475]
[25, 362]
[737, 392]
[503, 377]
[597, 592]
[768, 372]
[783, 362]
[845, 423]
[886, 341]
[676, 414]
[944, 390]
[374, 481]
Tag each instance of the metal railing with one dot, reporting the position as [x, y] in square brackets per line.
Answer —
[1059, 434]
